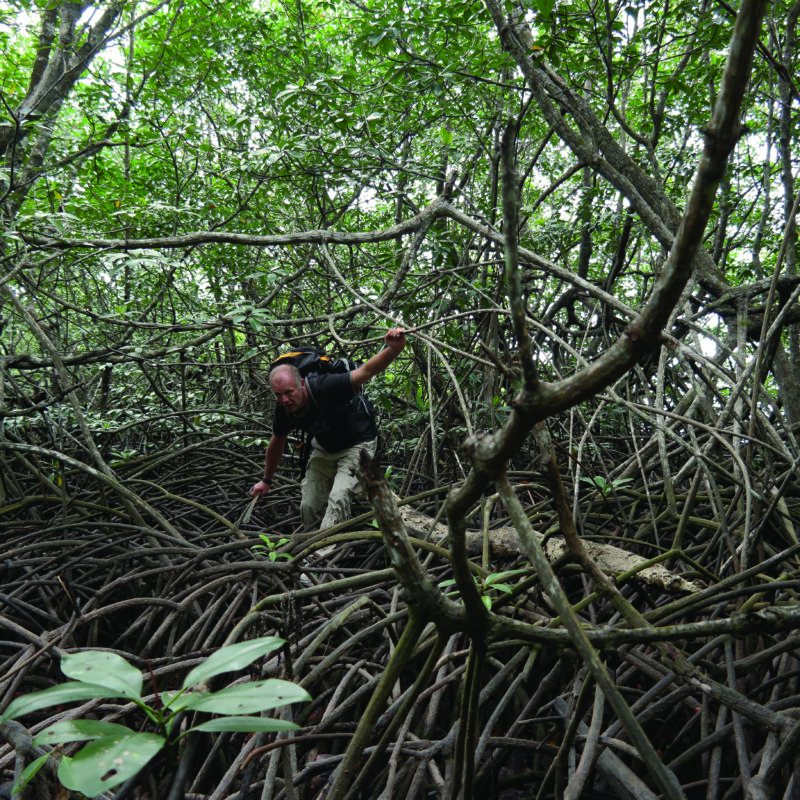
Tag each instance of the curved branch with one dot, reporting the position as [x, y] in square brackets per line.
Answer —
[490, 453]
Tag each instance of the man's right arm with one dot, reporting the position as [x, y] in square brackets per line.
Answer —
[395, 340]
[275, 450]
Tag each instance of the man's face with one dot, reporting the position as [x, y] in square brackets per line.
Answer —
[288, 394]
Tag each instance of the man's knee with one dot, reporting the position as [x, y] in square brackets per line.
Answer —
[338, 509]
[310, 514]
[313, 501]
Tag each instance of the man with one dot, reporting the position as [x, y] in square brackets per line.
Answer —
[322, 405]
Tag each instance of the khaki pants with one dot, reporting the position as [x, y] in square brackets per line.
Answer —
[330, 482]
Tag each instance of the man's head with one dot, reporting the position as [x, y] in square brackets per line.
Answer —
[289, 388]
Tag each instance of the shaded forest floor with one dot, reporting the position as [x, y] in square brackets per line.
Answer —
[184, 568]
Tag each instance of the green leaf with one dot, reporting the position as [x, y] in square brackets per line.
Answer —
[244, 698]
[29, 773]
[245, 725]
[79, 730]
[500, 576]
[446, 136]
[55, 695]
[232, 657]
[544, 7]
[599, 482]
[107, 762]
[104, 669]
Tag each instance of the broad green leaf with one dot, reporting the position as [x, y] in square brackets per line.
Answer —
[107, 762]
[79, 730]
[245, 698]
[245, 725]
[55, 695]
[104, 669]
[232, 657]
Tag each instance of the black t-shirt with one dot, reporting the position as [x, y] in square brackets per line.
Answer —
[336, 415]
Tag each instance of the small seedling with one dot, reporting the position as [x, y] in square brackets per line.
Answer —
[603, 486]
[495, 581]
[270, 548]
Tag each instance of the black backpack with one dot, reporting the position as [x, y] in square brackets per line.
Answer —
[309, 361]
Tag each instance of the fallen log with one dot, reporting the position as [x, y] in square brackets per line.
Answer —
[505, 543]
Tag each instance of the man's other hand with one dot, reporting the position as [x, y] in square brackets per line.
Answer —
[261, 489]
[395, 339]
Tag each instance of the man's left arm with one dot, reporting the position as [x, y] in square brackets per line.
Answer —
[395, 340]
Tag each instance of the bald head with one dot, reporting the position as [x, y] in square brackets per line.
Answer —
[289, 388]
[285, 372]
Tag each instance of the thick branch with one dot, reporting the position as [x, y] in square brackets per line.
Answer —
[489, 454]
[421, 593]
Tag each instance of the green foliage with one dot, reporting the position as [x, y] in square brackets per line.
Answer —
[271, 548]
[604, 486]
[202, 126]
[272, 120]
[495, 581]
[114, 752]
[246, 120]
